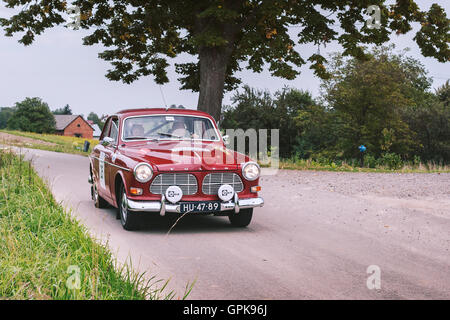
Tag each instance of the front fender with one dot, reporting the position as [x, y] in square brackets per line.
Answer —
[119, 179]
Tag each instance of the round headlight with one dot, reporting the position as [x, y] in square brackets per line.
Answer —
[251, 171]
[143, 172]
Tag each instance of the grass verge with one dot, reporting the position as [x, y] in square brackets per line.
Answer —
[308, 164]
[47, 254]
[63, 144]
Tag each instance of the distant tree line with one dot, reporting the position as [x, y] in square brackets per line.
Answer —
[31, 114]
[66, 110]
[382, 101]
[34, 115]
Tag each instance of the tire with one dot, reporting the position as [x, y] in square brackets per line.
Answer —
[99, 202]
[241, 219]
[128, 219]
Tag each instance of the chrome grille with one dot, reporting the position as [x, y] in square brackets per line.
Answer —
[187, 183]
[213, 181]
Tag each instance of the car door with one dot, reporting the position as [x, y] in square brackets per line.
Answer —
[109, 149]
[106, 149]
[100, 154]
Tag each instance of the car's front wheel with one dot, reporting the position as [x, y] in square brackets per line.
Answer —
[241, 219]
[128, 219]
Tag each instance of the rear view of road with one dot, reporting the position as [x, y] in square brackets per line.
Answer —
[315, 237]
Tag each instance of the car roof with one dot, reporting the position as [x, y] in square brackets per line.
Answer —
[145, 111]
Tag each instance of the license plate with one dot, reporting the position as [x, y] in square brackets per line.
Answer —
[201, 206]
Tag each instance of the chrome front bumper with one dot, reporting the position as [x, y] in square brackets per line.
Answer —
[162, 206]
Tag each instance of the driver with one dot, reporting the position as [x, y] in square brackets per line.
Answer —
[179, 128]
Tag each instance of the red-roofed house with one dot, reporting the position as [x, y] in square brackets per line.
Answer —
[74, 126]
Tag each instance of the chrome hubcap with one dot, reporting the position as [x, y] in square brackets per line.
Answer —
[124, 207]
[95, 194]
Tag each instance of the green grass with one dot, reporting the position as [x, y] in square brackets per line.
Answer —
[63, 144]
[40, 241]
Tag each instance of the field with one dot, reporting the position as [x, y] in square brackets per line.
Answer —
[49, 142]
[47, 254]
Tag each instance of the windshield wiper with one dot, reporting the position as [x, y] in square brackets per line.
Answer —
[169, 135]
[136, 138]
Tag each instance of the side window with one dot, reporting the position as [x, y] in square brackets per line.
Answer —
[111, 130]
[105, 132]
[114, 133]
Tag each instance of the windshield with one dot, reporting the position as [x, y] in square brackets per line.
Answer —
[169, 127]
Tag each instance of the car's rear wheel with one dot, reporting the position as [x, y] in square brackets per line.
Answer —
[99, 202]
[241, 219]
[128, 219]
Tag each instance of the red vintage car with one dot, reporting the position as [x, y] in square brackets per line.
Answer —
[171, 160]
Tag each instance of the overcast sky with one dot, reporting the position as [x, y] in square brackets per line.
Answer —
[60, 70]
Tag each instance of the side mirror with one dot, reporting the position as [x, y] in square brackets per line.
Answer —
[107, 141]
[226, 139]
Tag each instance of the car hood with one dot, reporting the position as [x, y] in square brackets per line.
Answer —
[185, 155]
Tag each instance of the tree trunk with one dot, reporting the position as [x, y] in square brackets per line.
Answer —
[213, 66]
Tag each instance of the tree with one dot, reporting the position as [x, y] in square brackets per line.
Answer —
[5, 114]
[288, 103]
[257, 109]
[431, 123]
[32, 115]
[369, 96]
[318, 133]
[430, 120]
[95, 118]
[222, 34]
[443, 94]
[250, 109]
[64, 110]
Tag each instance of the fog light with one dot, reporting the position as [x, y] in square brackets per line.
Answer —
[226, 192]
[136, 191]
[255, 189]
[174, 194]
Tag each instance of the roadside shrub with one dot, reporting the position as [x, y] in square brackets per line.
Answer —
[391, 160]
[370, 161]
[416, 161]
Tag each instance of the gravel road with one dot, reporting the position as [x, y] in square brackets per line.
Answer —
[315, 237]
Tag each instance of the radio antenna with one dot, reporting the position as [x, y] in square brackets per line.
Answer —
[162, 95]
